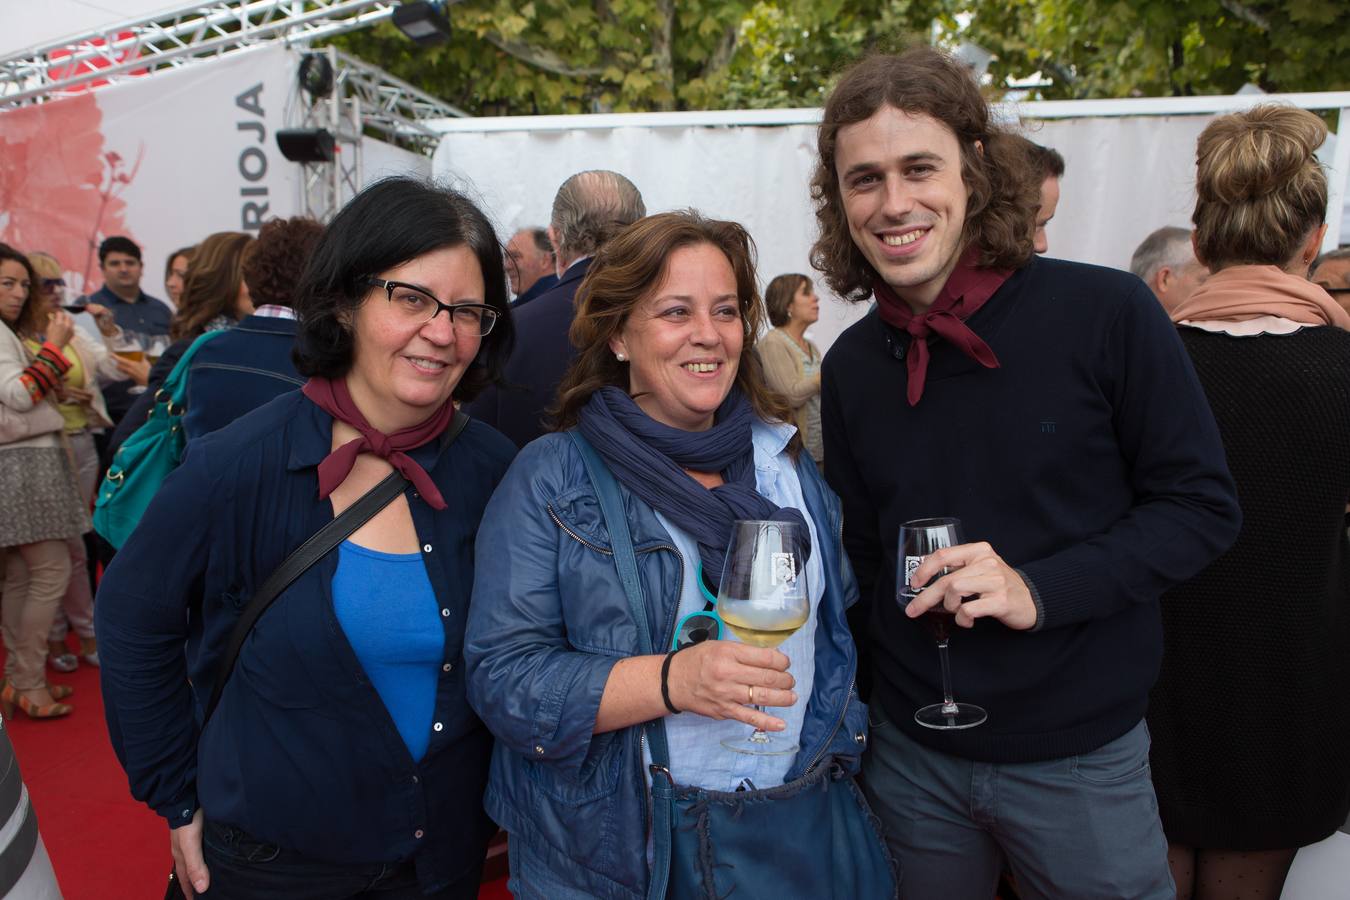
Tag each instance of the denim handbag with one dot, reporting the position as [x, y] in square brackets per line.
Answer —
[147, 457]
[813, 837]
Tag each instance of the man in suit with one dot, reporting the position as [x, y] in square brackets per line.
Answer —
[589, 209]
[530, 264]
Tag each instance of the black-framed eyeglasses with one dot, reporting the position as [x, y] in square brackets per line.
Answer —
[416, 305]
[51, 284]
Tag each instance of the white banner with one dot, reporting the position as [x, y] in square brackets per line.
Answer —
[164, 161]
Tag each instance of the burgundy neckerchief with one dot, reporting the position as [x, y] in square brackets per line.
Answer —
[966, 290]
[333, 397]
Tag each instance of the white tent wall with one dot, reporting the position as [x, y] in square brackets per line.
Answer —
[755, 175]
[1126, 175]
[381, 160]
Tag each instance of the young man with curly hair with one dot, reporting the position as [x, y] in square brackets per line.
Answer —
[1051, 407]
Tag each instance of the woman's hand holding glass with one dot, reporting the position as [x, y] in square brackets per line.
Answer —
[976, 570]
[720, 679]
[60, 328]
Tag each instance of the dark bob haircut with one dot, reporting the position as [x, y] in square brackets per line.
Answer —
[390, 223]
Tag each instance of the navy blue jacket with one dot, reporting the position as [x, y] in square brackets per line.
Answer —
[301, 752]
[549, 621]
[238, 372]
[535, 291]
[540, 359]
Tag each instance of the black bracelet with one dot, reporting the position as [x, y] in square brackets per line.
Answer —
[665, 683]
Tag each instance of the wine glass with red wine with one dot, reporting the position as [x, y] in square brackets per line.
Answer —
[918, 538]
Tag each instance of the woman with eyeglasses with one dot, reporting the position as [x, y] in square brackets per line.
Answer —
[343, 759]
[668, 392]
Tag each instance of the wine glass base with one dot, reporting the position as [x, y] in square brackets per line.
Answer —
[769, 746]
[943, 718]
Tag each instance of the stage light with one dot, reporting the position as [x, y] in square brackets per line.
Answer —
[423, 23]
[316, 75]
[307, 145]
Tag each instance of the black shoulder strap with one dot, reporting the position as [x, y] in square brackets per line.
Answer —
[309, 553]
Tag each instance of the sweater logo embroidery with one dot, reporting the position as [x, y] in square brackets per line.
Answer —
[1047, 427]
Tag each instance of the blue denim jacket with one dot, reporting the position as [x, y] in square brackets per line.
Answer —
[549, 620]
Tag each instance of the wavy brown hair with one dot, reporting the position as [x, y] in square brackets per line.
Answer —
[1260, 191]
[32, 315]
[212, 285]
[624, 273]
[1004, 191]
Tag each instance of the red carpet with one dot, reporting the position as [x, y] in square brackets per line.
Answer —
[104, 845]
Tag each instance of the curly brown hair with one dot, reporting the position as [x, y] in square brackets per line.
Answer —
[275, 259]
[1004, 191]
[624, 273]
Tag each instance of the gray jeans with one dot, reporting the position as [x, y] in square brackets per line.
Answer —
[1084, 827]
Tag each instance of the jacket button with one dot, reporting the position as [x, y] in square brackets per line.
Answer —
[445, 614]
[416, 780]
[861, 739]
[418, 834]
[447, 667]
[437, 727]
[426, 548]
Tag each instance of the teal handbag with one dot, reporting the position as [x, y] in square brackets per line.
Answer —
[147, 457]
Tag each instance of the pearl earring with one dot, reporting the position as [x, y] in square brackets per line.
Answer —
[621, 357]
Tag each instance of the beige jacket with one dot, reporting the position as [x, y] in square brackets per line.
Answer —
[784, 373]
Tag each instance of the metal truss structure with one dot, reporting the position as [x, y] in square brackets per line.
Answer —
[200, 32]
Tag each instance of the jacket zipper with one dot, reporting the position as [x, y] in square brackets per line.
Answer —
[642, 733]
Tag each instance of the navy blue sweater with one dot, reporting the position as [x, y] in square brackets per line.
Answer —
[1089, 460]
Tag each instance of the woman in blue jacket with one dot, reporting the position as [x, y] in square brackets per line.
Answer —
[343, 760]
[667, 390]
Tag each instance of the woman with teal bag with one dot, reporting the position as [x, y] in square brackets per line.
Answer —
[599, 560]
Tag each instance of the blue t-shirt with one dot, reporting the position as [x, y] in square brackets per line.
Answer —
[388, 610]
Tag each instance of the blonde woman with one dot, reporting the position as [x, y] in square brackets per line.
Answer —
[791, 362]
[84, 412]
[1251, 732]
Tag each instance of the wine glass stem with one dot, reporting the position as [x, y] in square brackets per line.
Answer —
[949, 706]
[759, 737]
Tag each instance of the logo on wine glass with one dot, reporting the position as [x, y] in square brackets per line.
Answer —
[784, 569]
[911, 563]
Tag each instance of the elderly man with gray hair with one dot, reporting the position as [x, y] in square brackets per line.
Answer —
[1166, 262]
[589, 209]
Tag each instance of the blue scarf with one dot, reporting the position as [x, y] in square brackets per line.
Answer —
[649, 459]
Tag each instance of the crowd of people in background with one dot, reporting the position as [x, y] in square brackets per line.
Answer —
[1151, 467]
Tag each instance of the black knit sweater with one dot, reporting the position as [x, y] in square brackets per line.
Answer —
[1089, 460]
[1250, 718]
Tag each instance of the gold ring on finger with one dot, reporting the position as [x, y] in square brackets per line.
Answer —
[752, 694]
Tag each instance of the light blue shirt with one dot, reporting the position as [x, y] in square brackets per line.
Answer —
[697, 757]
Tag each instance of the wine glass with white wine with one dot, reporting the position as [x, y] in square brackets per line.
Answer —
[764, 599]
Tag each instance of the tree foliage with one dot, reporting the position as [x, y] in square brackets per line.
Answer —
[570, 56]
[1114, 48]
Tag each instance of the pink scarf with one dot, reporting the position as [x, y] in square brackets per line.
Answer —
[333, 397]
[1239, 293]
[967, 289]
